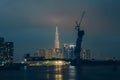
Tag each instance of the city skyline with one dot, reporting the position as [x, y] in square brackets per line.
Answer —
[31, 24]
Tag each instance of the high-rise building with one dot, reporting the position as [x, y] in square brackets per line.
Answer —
[72, 48]
[57, 50]
[2, 48]
[68, 51]
[40, 53]
[6, 50]
[58, 53]
[46, 53]
[9, 51]
[51, 53]
[1, 40]
[57, 44]
[85, 54]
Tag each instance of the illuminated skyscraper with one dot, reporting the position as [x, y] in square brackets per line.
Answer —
[57, 50]
[57, 44]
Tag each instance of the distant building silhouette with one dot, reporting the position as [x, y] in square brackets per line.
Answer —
[6, 51]
[2, 49]
[85, 54]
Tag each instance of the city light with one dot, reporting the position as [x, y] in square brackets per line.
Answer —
[59, 63]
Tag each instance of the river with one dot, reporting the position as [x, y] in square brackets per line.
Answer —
[63, 73]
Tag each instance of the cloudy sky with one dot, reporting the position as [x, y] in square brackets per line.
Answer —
[30, 24]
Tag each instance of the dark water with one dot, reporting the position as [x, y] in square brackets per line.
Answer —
[63, 73]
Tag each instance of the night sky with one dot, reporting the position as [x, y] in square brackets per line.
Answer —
[30, 24]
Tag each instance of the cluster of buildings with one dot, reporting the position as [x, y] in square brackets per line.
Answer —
[66, 52]
[6, 51]
[49, 53]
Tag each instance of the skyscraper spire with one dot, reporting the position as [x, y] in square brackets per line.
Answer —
[57, 44]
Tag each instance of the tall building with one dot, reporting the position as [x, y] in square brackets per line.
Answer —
[85, 54]
[46, 53]
[57, 44]
[56, 52]
[2, 49]
[40, 53]
[72, 48]
[68, 51]
[9, 51]
[6, 50]
[51, 53]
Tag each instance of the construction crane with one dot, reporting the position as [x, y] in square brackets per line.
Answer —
[80, 34]
[77, 27]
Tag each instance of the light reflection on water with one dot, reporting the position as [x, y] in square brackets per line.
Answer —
[55, 72]
[58, 70]
[58, 77]
[63, 73]
[72, 72]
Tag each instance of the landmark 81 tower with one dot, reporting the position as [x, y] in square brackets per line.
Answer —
[57, 44]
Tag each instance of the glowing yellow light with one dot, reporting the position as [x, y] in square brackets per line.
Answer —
[59, 63]
[58, 77]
